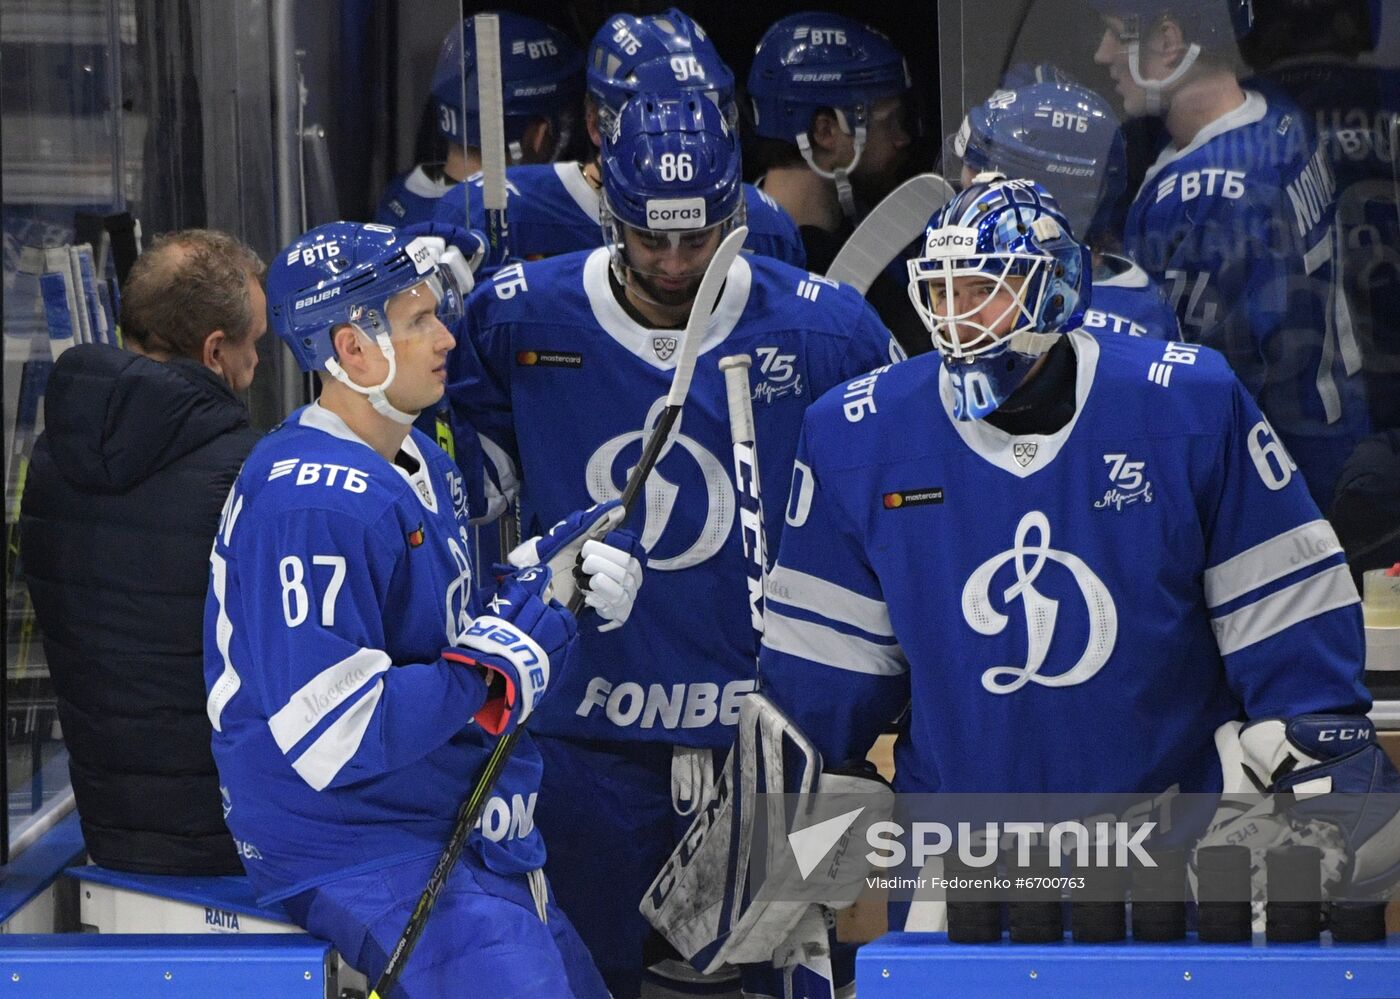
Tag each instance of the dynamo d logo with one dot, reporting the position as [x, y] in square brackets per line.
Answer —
[1028, 556]
[663, 497]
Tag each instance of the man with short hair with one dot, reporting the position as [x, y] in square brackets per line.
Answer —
[1237, 219]
[120, 507]
[358, 679]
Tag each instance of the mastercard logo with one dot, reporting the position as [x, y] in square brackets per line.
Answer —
[893, 501]
[527, 357]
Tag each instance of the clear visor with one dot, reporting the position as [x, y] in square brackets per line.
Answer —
[972, 304]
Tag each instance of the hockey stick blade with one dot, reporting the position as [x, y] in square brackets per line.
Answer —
[471, 809]
[889, 228]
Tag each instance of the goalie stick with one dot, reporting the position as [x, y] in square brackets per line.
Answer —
[746, 482]
[490, 106]
[889, 228]
[705, 297]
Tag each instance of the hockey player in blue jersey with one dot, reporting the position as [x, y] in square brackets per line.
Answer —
[1074, 563]
[565, 363]
[1237, 219]
[1314, 53]
[554, 208]
[541, 92]
[357, 681]
[831, 107]
[1066, 138]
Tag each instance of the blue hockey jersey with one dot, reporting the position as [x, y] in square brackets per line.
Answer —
[343, 741]
[1073, 612]
[552, 368]
[1125, 300]
[413, 197]
[1355, 109]
[1239, 226]
[551, 209]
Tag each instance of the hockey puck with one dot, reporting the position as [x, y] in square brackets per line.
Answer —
[1223, 894]
[1159, 898]
[1293, 912]
[1357, 922]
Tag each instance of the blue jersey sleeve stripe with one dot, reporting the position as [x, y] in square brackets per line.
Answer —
[1270, 560]
[819, 596]
[323, 694]
[828, 647]
[1279, 611]
[325, 757]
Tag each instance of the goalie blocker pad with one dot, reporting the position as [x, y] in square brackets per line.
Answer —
[733, 891]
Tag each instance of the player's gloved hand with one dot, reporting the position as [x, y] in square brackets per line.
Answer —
[1340, 777]
[464, 249]
[608, 561]
[517, 648]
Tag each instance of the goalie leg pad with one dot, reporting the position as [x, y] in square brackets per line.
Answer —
[704, 899]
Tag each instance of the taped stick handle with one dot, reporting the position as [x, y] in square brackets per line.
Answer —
[736, 391]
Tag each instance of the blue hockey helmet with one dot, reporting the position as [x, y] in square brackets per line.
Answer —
[1061, 135]
[541, 77]
[659, 53]
[671, 167]
[1208, 25]
[996, 230]
[345, 273]
[810, 61]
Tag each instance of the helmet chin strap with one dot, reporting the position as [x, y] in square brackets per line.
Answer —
[376, 393]
[841, 175]
[1152, 90]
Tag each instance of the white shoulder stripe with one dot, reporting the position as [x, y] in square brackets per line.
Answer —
[830, 647]
[323, 693]
[818, 596]
[1289, 606]
[1269, 560]
[334, 747]
[229, 681]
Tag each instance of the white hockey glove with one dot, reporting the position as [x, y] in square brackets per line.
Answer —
[584, 549]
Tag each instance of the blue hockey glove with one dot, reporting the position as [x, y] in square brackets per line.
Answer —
[518, 646]
[1340, 776]
[464, 254]
[608, 561]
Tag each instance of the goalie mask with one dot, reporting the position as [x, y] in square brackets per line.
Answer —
[672, 190]
[345, 273]
[1000, 277]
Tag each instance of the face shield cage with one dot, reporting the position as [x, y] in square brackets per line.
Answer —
[932, 281]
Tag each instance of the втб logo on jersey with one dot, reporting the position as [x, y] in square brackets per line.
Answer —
[1028, 557]
[661, 494]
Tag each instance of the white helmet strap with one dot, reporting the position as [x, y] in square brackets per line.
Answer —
[375, 393]
[1153, 89]
[840, 175]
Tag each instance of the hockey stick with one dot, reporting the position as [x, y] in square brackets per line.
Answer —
[889, 228]
[741, 433]
[490, 105]
[705, 298]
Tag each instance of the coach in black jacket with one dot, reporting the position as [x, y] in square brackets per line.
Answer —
[119, 513]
